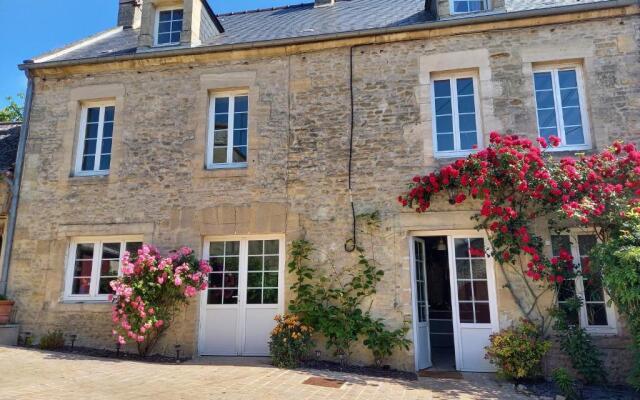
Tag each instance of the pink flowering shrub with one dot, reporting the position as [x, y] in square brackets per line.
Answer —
[152, 291]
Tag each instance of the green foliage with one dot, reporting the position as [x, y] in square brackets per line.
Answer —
[382, 342]
[577, 344]
[618, 260]
[13, 111]
[3, 297]
[517, 351]
[52, 341]
[290, 341]
[332, 304]
[564, 383]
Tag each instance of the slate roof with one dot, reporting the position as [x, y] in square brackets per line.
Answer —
[293, 22]
[9, 136]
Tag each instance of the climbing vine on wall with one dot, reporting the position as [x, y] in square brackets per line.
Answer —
[516, 183]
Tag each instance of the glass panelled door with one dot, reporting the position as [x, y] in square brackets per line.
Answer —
[474, 303]
[421, 302]
[244, 295]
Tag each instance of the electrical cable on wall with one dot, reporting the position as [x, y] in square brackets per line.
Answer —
[351, 244]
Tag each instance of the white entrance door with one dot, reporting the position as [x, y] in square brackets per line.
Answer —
[245, 293]
[473, 292]
[423, 346]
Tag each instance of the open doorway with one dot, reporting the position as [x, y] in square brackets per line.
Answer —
[432, 273]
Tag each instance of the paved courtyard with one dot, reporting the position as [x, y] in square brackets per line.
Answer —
[33, 375]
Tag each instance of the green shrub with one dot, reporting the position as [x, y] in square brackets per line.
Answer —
[290, 341]
[382, 342]
[52, 341]
[618, 260]
[518, 351]
[564, 383]
[576, 343]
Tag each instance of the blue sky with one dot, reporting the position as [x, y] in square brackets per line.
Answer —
[37, 26]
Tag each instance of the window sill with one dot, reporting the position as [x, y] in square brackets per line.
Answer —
[226, 172]
[85, 301]
[89, 179]
[453, 155]
[568, 149]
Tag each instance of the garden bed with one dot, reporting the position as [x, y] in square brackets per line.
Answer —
[112, 354]
[547, 390]
[376, 372]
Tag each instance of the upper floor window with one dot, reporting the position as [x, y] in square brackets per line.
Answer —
[95, 139]
[93, 264]
[168, 26]
[595, 315]
[561, 107]
[465, 6]
[456, 117]
[228, 131]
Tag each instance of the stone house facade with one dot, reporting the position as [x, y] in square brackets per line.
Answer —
[237, 134]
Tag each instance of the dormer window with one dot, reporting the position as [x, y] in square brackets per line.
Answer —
[168, 26]
[466, 6]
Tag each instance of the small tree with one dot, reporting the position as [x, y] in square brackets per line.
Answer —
[152, 291]
[13, 112]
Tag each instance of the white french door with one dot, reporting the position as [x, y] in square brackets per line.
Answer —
[244, 295]
[421, 304]
[473, 295]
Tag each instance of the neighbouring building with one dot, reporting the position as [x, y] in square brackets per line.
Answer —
[9, 137]
[236, 134]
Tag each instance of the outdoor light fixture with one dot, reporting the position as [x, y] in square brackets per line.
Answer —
[441, 245]
[318, 355]
[341, 357]
[177, 347]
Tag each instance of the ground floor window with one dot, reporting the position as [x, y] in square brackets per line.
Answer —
[596, 315]
[93, 263]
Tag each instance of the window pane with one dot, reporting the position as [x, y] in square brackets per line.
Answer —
[105, 162]
[462, 248]
[175, 37]
[230, 296]
[164, 27]
[106, 146]
[480, 290]
[214, 296]
[479, 269]
[466, 104]
[585, 244]
[232, 248]
[569, 97]
[221, 105]
[176, 26]
[111, 250]
[217, 264]
[109, 113]
[464, 291]
[230, 280]
[84, 251]
[443, 106]
[133, 247]
[215, 280]
[477, 5]
[107, 130]
[165, 15]
[271, 263]
[597, 314]
[483, 316]
[216, 248]
[177, 14]
[256, 247]
[461, 6]
[593, 291]
[444, 124]
[560, 242]
[80, 286]
[90, 147]
[270, 296]
[467, 122]
[220, 138]
[543, 81]
[164, 38]
[242, 103]
[574, 135]
[83, 268]
[567, 290]
[544, 99]
[466, 312]
[571, 116]
[547, 132]
[465, 86]
[445, 142]
[93, 114]
[254, 296]
[240, 121]
[255, 263]
[463, 269]
[104, 286]
[442, 88]
[240, 137]
[91, 131]
[240, 154]
[232, 263]
[254, 279]
[88, 162]
[271, 247]
[547, 119]
[567, 79]
[220, 155]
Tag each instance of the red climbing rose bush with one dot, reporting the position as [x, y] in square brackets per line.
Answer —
[515, 182]
[152, 291]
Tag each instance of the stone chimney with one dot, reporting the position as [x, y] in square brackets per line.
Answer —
[130, 13]
[324, 3]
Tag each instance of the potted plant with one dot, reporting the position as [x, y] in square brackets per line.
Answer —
[5, 309]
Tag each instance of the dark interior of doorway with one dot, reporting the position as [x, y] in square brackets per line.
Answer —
[440, 309]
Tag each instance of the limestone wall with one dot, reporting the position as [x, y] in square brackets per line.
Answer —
[296, 181]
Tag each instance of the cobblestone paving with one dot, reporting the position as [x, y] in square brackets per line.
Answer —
[34, 375]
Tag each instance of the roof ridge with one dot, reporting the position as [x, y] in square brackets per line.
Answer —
[257, 10]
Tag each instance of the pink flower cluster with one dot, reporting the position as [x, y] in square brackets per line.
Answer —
[145, 296]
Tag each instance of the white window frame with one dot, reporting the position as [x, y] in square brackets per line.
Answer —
[230, 128]
[453, 12]
[452, 77]
[82, 135]
[157, 26]
[584, 115]
[612, 320]
[97, 241]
